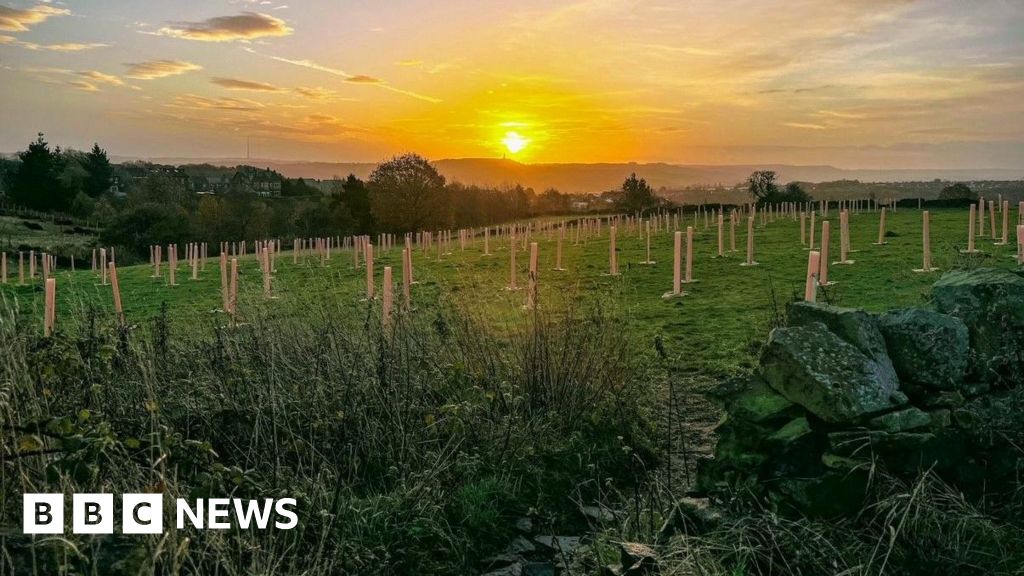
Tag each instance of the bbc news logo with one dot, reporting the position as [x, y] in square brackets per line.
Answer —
[144, 514]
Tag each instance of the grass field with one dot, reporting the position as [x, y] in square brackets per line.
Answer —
[411, 451]
[18, 233]
[714, 328]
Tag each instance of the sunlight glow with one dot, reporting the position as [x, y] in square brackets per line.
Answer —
[514, 142]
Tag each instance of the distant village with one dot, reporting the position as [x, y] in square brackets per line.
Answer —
[209, 179]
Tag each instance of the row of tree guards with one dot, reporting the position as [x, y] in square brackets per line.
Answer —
[519, 236]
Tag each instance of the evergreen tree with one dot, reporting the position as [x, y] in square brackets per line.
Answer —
[36, 184]
[100, 172]
[357, 198]
[637, 195]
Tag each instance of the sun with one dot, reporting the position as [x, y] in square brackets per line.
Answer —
[514, 142]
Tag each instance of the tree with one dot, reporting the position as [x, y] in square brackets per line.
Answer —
[36, 183]
[100, 172]
[406, 194]
[793, 192]
[958, 191]
[762, 187]
[161, 187]
[297, 187]
[354, 195]
[137, 228]
[637, 195]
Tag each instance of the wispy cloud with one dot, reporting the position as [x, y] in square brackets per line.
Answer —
[196, 102]
[159, 69]
[805, 125]
[245, 85]
[363, 79]
[19, 20]
[314, 93]
[86, 80]
[355, 78]
[100, 77]
[240, 27]
[83, 85]
[62, 47]
[322, 118]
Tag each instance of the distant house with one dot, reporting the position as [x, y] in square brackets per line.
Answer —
[135, 172]
[265, 182]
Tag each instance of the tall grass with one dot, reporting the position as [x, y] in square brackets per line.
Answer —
[410, 448]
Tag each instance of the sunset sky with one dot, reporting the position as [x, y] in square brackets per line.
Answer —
[863, 83]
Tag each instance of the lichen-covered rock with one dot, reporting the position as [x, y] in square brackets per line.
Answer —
[851, 324]
[901, 420]
[793, 431]
[927, 348]
[991, 303]
[829, 377]
[757, 402]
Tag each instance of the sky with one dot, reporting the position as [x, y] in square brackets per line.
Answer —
[855, 83]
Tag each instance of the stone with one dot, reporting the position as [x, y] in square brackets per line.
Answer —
[836, 462]
[598, 513]
[927, 348]
[991, 303]
[830, 495]
[538, 569]
[637, 558]
[791, 432]
[692, 516]
[510, 570]
[828, 376]
[934, 398]
[739, 443]
[502, 560]
[855, 326]
[562, 544]
[901, 420]
[941, 418]
[758, 403]
[520, 545]
[524, 525]
[901, 452]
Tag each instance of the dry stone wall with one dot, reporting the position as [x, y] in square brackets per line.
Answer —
[842, 392]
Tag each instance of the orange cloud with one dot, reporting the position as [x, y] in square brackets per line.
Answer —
[321, 118]
[83, 85]
[236, 84]
[63, 47]
[102, 78]
[195, 102]
[244, 26]
[363, 79]
[159, 69]
[314, 93]
[15, 20]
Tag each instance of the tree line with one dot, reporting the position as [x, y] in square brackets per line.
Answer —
[139, 204]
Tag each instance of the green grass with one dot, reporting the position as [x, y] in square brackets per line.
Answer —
[26, 234]
[716, 327]
[410, 451]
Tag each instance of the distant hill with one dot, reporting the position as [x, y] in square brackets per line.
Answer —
[595, 178]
